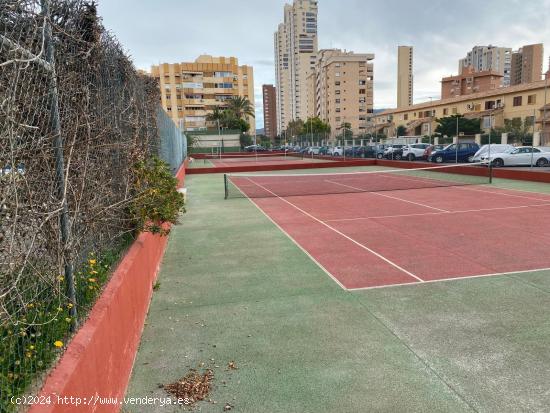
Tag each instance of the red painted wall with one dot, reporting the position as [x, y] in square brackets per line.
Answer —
[98, 360]
[280, 167]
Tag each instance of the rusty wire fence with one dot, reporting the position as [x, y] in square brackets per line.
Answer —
[75, 116]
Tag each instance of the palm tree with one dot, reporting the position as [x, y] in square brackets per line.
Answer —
[240, 106]
[215, 115]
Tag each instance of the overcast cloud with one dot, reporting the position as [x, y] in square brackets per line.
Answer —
[440, 31]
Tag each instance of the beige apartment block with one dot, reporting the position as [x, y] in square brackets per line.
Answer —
[404, 76]
[192, 90]
[525, 101]
[488, 59]
[527, 64]
[295, 44]
[468, 82]
[344, 89]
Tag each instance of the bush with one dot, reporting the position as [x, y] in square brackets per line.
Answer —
[157, 200]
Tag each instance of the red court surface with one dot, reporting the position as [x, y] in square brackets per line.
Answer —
[261, 160]
[376, 239]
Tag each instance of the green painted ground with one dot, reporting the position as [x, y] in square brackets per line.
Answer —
[235, 288]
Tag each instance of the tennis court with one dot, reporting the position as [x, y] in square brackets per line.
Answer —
[235, 288]
[380, 228]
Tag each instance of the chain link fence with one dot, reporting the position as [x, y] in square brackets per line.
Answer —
[75, 116]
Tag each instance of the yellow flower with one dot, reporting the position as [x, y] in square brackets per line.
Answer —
[30, 305]
[59, 309]
[58, 343]
[93, 272]
[91, 287]
[92, 280]
[28, 354]
[31, 347]
[92, 262]
[70, 305]
[67, 319]
[60, 278]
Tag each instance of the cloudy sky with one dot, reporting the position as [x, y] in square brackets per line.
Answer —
[441, 32]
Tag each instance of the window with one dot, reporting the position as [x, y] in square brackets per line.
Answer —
[455, 111]
[337, 110]
[445, 111]
[531, 99]
[517, 101]
[337, 74]
[362, 91]
[337, 83]
[406, 116]
[362, 100]
[336, 92]
[362, 82]
[337, 101]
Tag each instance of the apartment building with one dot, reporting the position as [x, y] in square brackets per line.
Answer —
[524, 101]
[295, 45]
[489, 58]
[270, 111]
[527, 64]
[344, 89]
[404, 76]
[468, 82]
[192, 90]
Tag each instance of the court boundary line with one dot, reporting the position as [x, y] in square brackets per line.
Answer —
[388, 196]
[466, 277]
[463, 211]
[380, 256]
[327, 272]
[504, 194]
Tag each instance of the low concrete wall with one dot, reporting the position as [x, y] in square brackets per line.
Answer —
[98, 360]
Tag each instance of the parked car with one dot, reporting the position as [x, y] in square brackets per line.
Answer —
[8, 169]
[495, 148]
[323, 150]
[458, 152]
[313, 150]
[394, 152]
[431, 149]
[255, 148]
[414, 151]
[379, 150]
[520, 156]
[363, 152]
[336, 151]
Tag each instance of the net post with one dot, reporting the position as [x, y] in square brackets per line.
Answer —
[225, 186]
[490, 171]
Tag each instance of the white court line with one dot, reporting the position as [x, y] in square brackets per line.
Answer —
[341, 233]
[496, 274]
[502, 193]
[388, 196]
[437, 213]
[294, 241]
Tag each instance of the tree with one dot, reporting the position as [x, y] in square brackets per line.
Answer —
[401, 130]
[345, 128]
[240, 106]
[518, 129]
[316, 125]
[447, 125]
[216, 115]
[294, 128]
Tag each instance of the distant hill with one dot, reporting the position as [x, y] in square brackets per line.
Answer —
[260, 131]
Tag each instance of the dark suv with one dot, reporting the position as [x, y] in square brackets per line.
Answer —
[459, 152]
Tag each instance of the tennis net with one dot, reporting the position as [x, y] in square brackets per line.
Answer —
[302, 184]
